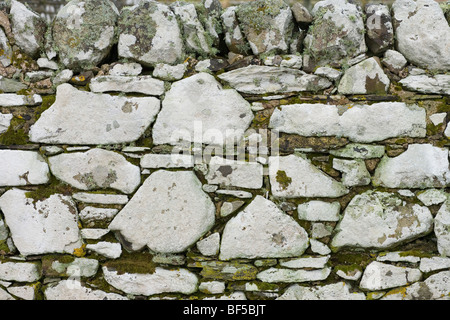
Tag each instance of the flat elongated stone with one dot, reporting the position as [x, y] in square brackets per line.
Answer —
[292, 275]
[438, 84]
[334, 291]
[420, 166]
[359, 151]
[380, 220]
[161, 281]
[317, 210]
[111, 250]
[293, 176]
[262, 230]
[20, 167]
[265, 79]
[305, 262]
[48, 226]
[74, 290]
[17, 100]
[100, 198]
[234, 38]
[138, 84]
[198, 109]
[235, 173]
[380, 276]
[105, 119]
[19, 271]
[155, 161]
[168, 213]
[434, 263]
[96, 169]
[360, 123]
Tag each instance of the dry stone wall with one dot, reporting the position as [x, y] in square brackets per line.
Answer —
[262, 151]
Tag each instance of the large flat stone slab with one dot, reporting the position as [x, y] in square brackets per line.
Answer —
[21, 167]
[137, 84]
[79, 117]
[359, 123]
[96, 169]
[168, 213]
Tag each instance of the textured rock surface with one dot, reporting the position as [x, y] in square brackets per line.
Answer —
[442, 229]
[336, 291]
[22, 168]
[380, 32]
[140, 84]
[380, 276]
[439, 84]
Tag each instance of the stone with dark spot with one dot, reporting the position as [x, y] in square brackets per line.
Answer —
[380, 32]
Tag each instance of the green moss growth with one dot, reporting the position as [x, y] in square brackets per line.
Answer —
[134, 262]
[44, 191]
[47, 102]
[283, 179]
[16, 133]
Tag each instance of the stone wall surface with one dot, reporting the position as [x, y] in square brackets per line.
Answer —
[258, 151]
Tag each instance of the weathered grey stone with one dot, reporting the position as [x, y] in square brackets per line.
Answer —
[438, 84]
[22, 167]
[366, 77]
[193, 110]
[317, 210]
[212, 287]
[19, 271]
[26, 292]
[27, 27]
[209, 246]
[74, 290]
[397, 256]
[149, 34]
[179, 214]
[93, 233]
[291, 276]
[265, 79]
[262, 230]
[301, 13]
[233, 36]
[335, 291]
[10, 85]
[380, 220]
[293, 176]
[434, 263]
[5, 121]
[380, 32]
[170, 73]
[83, 32]
[438, 118]
[305, 262]
[420, 166]
[430, 197]
[155, 161]
[380, 276]
[394, 60]
[96, 169]
[39, 227]
[236, 193]
[329, 73]
[267, 25]
[319, 247]
[422, 33]
[45, 63]
[111, 250]
[106, 119]
[161, 281]
[6, 53]
[359, 151]
[442, 229]
[126, 69]
[360, 123]
[336, 35]
[137, 84]
[354, 172]
[17, 100]
[320, 230]
[210, 13]
[35, 76]
[349, 274]
[63, 76]
[241, 174]
[228, 208]
[100, 198]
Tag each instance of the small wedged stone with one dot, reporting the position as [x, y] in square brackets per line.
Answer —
[160, 281]
[96, 169]
[21, 167]
[438, 84]
[293, 176]
[149, 34]
[126, 69]
[394, 60]
[155, 161]
[317, 210]
[431, 197]
[168, 72]
[380, 220]
[266, 79]
[420, 166]
[110, 250]
[380, 276]
[137, 84]
[168, 213]
[106, 119]
[434, 263]
[262, 230]
[83, 32]
[39, 227]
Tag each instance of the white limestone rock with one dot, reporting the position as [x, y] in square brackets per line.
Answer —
[74, 290]
[168, 72]
[26, 292]
[83, 32]
[329, 73]
[380, 220]
[241, 174]
[110, 250]
[149, 34]
[422, 33]
[293, 176]
[6, 55]
[394, 60]
[20, 271]
[359, 151]
[319, 247]
[22, 167]
[354, 172]
[305, 262]
[161, 281]
[100, 198]
[434, 263]
[438, 84]
[316, 210]
[40, 227]
[28, 28]
[255, 79]
[380, 276]
[155, 161]
[233, 35]
[96, 169]
[420, 166]
[262, 230]
[236, 193]
[212, 287]
[126, 69]
[343, 42]
[209, 246]
[197, 109]
[397, 256]
[93, 233]
[366, 77]
[334, 291]
[17, 100]
[438, 118]
[168, 213]
[431, 197]
[62, 77]
[137, 84]
[293, 275]
[45, 63]
[360, 123]
[106, 119]
[79, 267]
[442, 229]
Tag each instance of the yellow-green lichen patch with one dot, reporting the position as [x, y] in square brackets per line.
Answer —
[283, 179]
